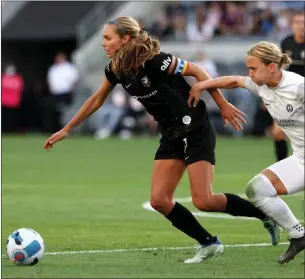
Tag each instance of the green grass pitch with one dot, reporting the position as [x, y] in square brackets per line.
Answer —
[87, 195]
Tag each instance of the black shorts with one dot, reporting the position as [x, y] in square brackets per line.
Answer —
[198, 145]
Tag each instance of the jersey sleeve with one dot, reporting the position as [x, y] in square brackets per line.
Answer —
[300, 93]
[159, 65]
[251, 86]
[110, 75]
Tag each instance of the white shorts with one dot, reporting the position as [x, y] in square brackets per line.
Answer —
[291, 172]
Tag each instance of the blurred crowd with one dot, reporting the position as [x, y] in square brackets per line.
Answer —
[47, 105]
[203, 21]
[41, 105]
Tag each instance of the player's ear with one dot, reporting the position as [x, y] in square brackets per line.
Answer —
[126, 38]
[272, 67]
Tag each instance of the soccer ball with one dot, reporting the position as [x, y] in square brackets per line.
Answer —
[25, 247]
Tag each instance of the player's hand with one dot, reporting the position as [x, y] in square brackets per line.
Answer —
[233, 115]
[195, 94]
[58, 136]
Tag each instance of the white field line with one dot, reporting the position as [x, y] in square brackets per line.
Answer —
[152, 249]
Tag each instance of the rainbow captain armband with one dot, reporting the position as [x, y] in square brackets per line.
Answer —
[182, 66]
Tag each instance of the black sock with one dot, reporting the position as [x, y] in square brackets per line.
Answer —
[238, 206]
[184, 220]
[281, 149]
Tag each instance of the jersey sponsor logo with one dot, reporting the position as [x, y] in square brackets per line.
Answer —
[289, 108]
[146, 96]
[145, 81]
[303, 54]
[285, 122]
[166, 62]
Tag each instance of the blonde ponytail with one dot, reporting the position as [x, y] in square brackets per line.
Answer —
[285, 60]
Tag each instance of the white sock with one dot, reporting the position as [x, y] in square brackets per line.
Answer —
[262, 194]
[279, 211]
[297, 231]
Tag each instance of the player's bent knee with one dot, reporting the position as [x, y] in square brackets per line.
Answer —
[206, 205]
[259, 187]
[160, 204]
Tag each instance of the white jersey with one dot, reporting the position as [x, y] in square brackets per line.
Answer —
[285, 104]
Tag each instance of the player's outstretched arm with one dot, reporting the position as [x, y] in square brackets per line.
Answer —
[227, 82]
[202, 75]
[227, 110]
[92, 104]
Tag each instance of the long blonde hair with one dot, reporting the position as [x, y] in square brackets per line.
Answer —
[269, 53]
[133, 54]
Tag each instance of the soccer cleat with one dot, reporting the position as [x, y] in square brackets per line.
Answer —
[207, 251]
[274, 229]
[296, 246]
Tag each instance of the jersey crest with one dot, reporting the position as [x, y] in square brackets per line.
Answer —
[145, 81]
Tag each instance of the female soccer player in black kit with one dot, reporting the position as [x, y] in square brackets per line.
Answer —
[293, 45]
[188, 140]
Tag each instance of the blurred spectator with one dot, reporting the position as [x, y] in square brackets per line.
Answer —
[132, 121]
[232, 20]
[12, 89]
[268, 21]
[151, 124]
[197, 31]
[207, 64]
[245, 101]
[62, 78]
[136, 121]
[161, 28]
[293, 45]
[179, 32]
[282, 26]
[174, 8]
[213, 17]
[256, 28]
[111, 113]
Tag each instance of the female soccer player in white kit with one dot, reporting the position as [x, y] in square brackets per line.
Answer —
[283, 94]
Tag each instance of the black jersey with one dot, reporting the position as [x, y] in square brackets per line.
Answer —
[163, 95]
[296, 52]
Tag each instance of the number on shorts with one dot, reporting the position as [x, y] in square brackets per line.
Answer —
[185, 144]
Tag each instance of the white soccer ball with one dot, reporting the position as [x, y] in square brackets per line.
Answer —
[25, 247]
